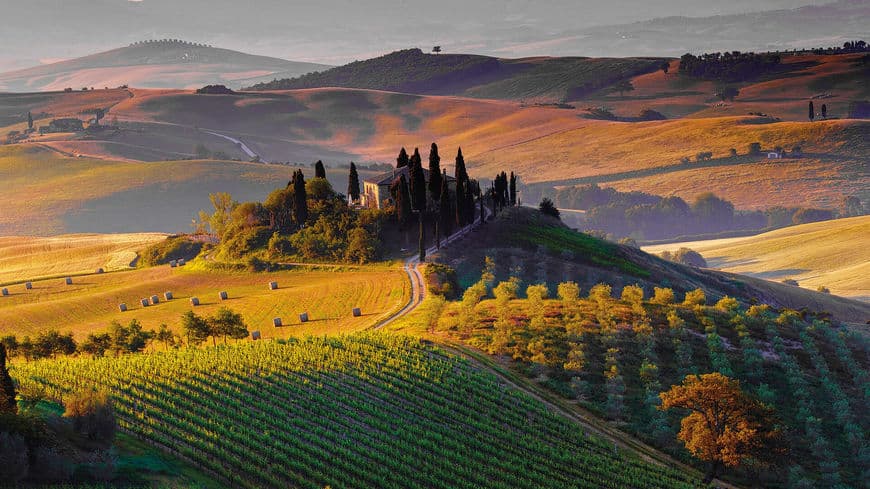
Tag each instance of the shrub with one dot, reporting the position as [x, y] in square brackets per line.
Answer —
[791, 281]
[823, 289]
[755, 148]
[245, 241]
[686, 256]
[662, 295]
[442, 280]
[632, 294]
[727, 304]
[92, 415]
[547, 207]
[172, 248]
[14, 462]
[803, 216]
[695, 297]
[537, 292]
[600, 292]
[651, 115]
[569, 292]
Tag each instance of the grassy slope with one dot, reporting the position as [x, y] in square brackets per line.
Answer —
[577, 257]
[91, 303]
[35, 257]
[834, 254]
[358, 411]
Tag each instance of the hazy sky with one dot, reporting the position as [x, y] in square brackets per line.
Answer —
[327, 31]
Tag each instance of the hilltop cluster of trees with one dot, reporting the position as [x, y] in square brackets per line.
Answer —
[729, 67]
[858, 46]
[651, 217]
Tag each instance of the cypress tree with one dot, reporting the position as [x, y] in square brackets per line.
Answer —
[445, 213]
[812, 111]
[319, 170]
[513, 189]
[434, 173]
[824, 111]
[403, 159]
[300, 199]
[7, 388]
[353, 183]
[418, 183]
[403, 203]
[461, 176]
[29, 120]
[422, 240]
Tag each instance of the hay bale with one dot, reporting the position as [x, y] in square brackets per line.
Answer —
[255, 335]
[303, 317]
[181, 262]
[167, 295]
[273, 285]
[100, 270]
[4, 291]
[144, 302]
[122, 307]
[155, 299]
[277, 322]
[194, 301]
[173, 263]
[28, 285]
[68, 280]
[357, 312]
[223, 295]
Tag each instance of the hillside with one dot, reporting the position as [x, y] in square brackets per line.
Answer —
[530, 79]
[36, 257]
[356, 411]
[832, 254]
[154, 64]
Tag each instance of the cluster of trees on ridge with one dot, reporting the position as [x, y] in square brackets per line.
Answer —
[651, 217]
[728, 67]
[616, 355]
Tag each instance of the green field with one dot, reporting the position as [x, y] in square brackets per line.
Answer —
[357, 411]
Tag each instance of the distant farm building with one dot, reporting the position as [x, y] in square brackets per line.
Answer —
[376, 190]
[70, 124]
[774, 155]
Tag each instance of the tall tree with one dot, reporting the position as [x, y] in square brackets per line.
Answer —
[665, 66]
[513, 189]
[724, 426]
[422, 240]
[300, 199]
[403, 203]
[195, 328]
[824, 111]
[418, 183]
[227, 323]
[353, 183]
[812, 111]
[7, 387]
[29, 120]
[445, 212]
[319, 170]
[434, 173]
[402, 159]
[461, 176]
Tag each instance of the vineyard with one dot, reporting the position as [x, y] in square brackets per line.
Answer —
[366, 410]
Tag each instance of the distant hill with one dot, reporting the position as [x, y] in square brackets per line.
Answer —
[413, 71]
[155, 64]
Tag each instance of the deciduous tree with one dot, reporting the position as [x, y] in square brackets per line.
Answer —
[7, 388]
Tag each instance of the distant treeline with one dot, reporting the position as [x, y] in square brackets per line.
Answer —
[650, 217]
[731, 67]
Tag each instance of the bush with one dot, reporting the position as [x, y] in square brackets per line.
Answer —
[243, 242]
[632, 294]
[13, 457]
[662, 296]
[569, 292]
[823, 289]
[600, 292]
[755, 148]
[651, 115]
[547, 207]
[804, 216]
[172, 248]
[695, 297]
[92, 415]
[441, 280]
[727, 304]
[50, 466]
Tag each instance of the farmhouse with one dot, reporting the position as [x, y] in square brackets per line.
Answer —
[62, 125]
[376, 190]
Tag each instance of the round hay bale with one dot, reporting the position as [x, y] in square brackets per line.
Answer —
[122, 307]
[144, 302]
[28, 285]
[194, 301]
[277, 322]
[173, 263]
[357, 312]
[167, 295]
[100, 270]
[273, 285]
[68, 280]
[155, 299]
[255, 335]
[303, 317]
[223, 295]
[4, 291]
[181, 262]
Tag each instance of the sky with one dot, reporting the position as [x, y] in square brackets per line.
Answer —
[331, 31]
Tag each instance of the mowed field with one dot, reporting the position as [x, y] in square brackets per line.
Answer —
[90, 304]
[30, 258]
[834, 254]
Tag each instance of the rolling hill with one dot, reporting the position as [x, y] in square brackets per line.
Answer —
[155, 64]
[830, 254]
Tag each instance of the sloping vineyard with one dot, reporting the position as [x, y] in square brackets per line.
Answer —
[367, 410]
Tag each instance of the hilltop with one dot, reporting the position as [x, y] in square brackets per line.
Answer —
[831, 254]
[154, 64]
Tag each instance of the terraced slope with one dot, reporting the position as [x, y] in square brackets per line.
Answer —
[368, 410]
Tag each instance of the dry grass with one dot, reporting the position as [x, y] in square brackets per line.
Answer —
[91, 303]
[30, 258]
[834, 254]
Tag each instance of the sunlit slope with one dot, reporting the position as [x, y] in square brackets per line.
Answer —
[90, 304]
[28, 258]
[362, 411]
[834, 254]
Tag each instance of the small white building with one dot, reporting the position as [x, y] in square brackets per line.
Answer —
[773, 155]
[376, 190]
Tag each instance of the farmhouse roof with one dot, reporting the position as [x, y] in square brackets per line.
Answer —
[389, 177]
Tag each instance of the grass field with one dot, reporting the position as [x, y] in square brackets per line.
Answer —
[833, 254]
[36, 257]
[91, 302]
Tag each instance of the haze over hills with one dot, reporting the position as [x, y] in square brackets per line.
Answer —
[155, 64]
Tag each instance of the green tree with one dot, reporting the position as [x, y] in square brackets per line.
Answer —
[623, 86]
[29, 120]
[569, 292]
[665, 66]
[223, 205]
[434, 173]
[445, 211]
[513, 189]
[461, 176]
[695, 298]
[195, 328]
[361, 246]
[547, 207]
[402, 159]
[353, 183]
[403, 203]
[417, 183]
[300, 199]
[319, 170]
[812, 111]
[727, 92]
[8, 403]
[422, 240]
[165, 336]
[227, 323]
[96, 344]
